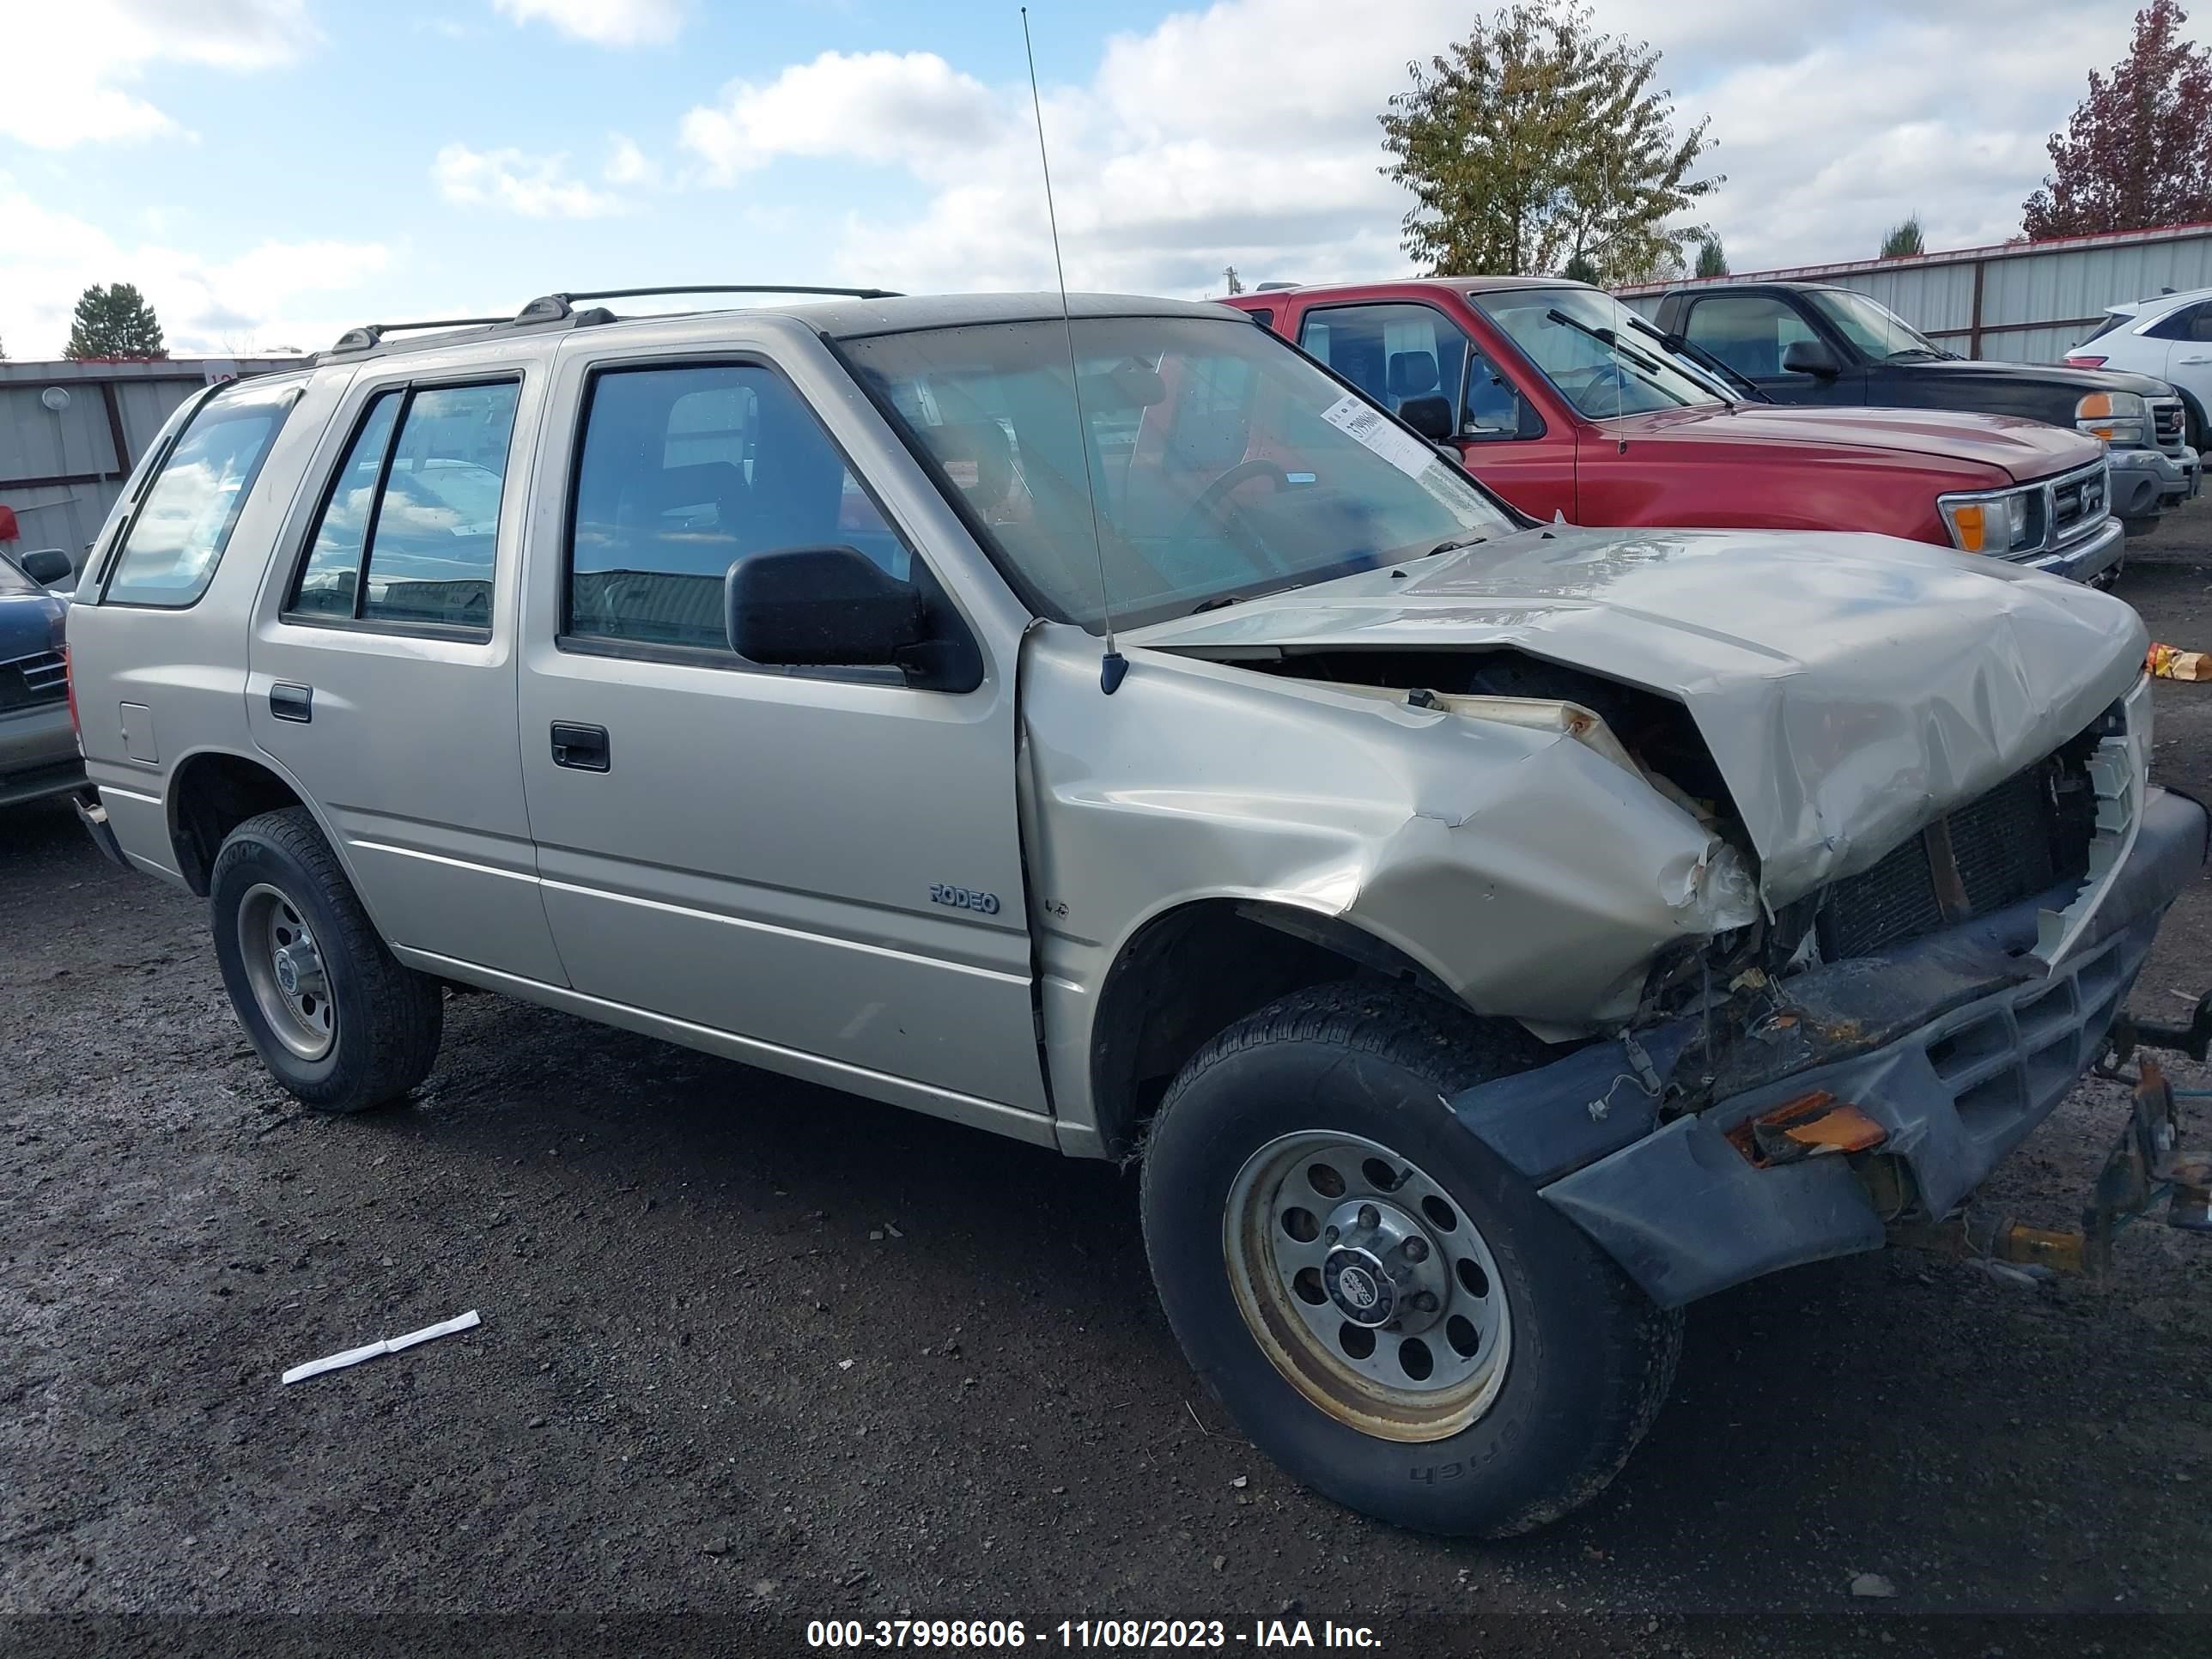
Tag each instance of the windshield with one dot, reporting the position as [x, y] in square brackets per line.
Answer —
[1562, 330]
[1874, 328]
[1220, 462]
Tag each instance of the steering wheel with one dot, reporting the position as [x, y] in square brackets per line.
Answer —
[1209, 500]
[1587, 385]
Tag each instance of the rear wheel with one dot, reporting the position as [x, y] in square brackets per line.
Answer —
[329, 1010]
[1389, 1310]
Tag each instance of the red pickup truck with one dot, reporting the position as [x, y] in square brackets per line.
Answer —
[1566, 403]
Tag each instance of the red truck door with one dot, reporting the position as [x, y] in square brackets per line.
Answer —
[1399, 349]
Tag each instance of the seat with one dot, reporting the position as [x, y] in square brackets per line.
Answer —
[978, 457]
[1411, 374]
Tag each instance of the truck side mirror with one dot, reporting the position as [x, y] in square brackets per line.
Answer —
[1810, 357]
[49, 567]
[1430, 417]
[829, 607]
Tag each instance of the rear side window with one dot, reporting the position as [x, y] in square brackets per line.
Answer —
[178, 536]
[684, 471]
[410, 528]
[2189, 323]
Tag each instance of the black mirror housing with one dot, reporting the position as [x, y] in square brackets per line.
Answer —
[1430, 417]
[47, 567]
[821, 607]
[1809, 357]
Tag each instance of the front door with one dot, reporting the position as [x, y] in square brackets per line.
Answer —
[382, 662]
[1751, 332]
[1398, 350]
[820, 868]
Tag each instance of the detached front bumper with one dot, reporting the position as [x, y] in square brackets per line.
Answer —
[1957, 1044]
[2147, 481]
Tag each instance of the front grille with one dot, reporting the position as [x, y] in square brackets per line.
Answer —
[2028, 834]
[2076, 503]
[28, 681]
[2169, 425]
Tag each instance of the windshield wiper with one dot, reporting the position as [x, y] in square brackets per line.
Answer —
[1915, 351]
[1216, 603]
[1453, 543]
[1728, 380]
[1646, 370]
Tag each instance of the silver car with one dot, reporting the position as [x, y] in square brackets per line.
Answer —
[1118, 734]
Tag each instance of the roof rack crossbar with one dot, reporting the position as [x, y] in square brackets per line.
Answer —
[731, 287]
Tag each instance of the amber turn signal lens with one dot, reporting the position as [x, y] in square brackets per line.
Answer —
[1973, 528]
[1810, 1126]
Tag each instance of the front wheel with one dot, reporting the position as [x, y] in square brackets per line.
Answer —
[1389, 1310]
[331, 1013]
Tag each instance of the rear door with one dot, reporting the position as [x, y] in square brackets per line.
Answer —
[822, 867]
[382, 661]
[2187, 337]
[1398, 350]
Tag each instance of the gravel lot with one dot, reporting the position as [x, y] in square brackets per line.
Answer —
[754, 1352]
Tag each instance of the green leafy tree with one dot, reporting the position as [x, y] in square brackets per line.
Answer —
[1712, 260]
[1537, 139]
[1580, 269]
[114, 322]
[1904, 239]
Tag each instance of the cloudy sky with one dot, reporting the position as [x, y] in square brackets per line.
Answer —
[270, 172]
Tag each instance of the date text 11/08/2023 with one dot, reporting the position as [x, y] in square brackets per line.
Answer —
[988, 1635]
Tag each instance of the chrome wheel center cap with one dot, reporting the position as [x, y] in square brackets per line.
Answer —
[1360, 1287]
[298, 970]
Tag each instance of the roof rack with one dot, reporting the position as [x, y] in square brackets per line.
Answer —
[560, 308]
[370, 334]
[550, 307]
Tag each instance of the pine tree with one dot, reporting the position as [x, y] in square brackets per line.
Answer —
[1904, 239]
[114, 322]
[1712, 261]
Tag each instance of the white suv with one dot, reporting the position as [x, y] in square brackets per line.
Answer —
[1490, 935]
[2169, 338]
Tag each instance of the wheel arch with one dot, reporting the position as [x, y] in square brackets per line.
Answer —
[211, 792]
[1190, 970]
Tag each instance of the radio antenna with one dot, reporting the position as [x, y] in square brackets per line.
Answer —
[1113, 667]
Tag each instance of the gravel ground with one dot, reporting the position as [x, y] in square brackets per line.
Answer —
[754, 1353]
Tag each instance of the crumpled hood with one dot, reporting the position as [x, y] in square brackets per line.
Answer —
[1849, 688]
[2022, 449]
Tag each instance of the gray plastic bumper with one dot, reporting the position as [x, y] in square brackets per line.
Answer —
[1958, 1044]
[2146, 481]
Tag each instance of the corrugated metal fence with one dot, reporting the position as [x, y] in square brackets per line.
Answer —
[69, 433]
[2022, 303]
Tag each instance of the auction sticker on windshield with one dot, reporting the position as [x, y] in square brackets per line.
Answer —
[1372, 427]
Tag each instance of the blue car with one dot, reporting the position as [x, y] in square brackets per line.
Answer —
[39, 754]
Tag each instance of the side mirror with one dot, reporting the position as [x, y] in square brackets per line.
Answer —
[49, 567]
[1810, 357]
[827, 607]
[1430, 417]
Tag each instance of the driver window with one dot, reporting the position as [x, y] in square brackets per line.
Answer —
[1747, 332]
[684, 472]
[1397, 352]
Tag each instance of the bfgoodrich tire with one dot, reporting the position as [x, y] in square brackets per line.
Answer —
[1302, 1179]
[332, 1014]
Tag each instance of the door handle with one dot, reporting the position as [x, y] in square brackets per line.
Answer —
[2199, 359]
[288, 701]
[583, 748]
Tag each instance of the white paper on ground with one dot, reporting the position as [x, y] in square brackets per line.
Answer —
[390, 1345]
[1369, 426]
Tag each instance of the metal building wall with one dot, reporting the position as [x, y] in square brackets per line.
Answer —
[2018, 303]
[62, 470]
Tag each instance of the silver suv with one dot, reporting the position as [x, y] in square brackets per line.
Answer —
[1490, 936]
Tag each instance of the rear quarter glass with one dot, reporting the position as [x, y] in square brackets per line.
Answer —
[182, 523]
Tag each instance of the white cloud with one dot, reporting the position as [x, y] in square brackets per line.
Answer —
[913, 108]
[65, 60]
[628, 165]
[258, 298]
[1245, 133]
[603, 22]
[535, 187]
